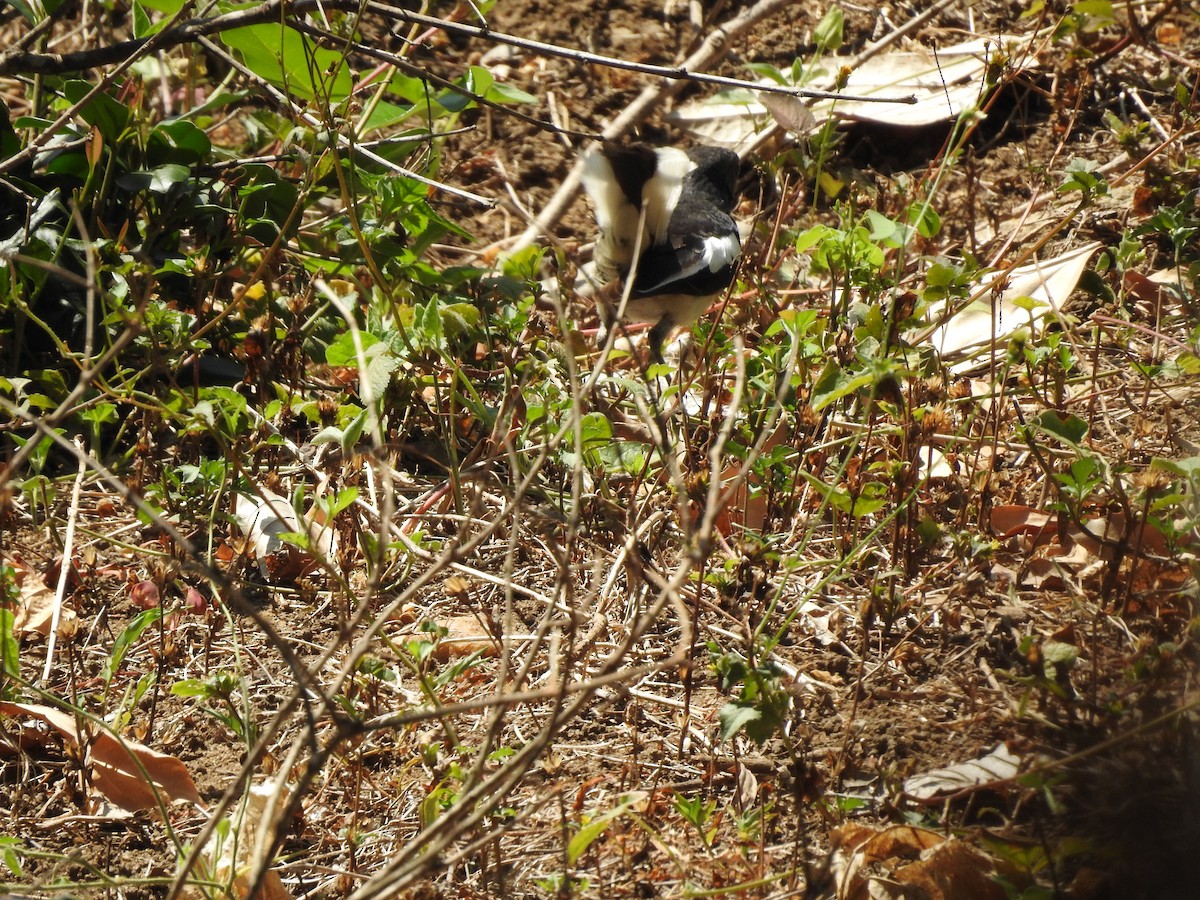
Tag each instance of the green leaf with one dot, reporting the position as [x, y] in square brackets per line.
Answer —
[141, 20]
[768, 71]
[25, 10]
[506, 93]
[815, 235]
[110, 117]
[596, 429]
[354, 431]
[925, 219]
[1100, 10]
[178, 141]
[834, 384]
[8, 849]
[159, 180]
[341, 351]
[587, 835]
[385, 115]
[735, 716]
[191, 687]
[828, 34]
[883, 228]
[143, 25]
[1186, 468]
[291, 61]
[459, 318]
[126, 639]
[1070, 428]
[340, 501]
[10, 650]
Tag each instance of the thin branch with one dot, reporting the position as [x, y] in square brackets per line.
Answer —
[686, 72]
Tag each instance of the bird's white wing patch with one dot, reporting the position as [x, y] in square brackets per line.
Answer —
[719, 251]
[661, 193]
[615, 215]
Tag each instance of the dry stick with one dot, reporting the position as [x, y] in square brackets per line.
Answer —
[426, 851]
[64, 570]
[452, 554]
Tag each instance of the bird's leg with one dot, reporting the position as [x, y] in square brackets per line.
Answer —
[658, 335]
[607, 311]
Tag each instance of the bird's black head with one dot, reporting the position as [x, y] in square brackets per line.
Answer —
[716, 174]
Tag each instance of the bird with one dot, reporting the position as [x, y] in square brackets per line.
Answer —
[687, 252]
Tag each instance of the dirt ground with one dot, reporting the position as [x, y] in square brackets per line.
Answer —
[885, 688]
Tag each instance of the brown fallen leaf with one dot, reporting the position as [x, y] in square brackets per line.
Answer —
[954, 870]
[464, 636]
[127, 774]
[906, 861]
[1010, 520]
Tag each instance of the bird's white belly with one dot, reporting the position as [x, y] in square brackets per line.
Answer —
[682, 308]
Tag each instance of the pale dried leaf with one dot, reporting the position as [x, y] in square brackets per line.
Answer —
[932, 464]
[945, 84]
[35, 607]
[1000, 764]
[228, 861]
[991, 320]
[264, 521]
[789, 112]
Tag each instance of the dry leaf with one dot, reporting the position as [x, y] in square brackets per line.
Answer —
[992, 320]
[946, 84]
[464, 636]
[954, 870]
[1000, 764]
[941, 868]
[228, 861]
[265, 520]
[126, 773]
[35, 607]
[1010, 520]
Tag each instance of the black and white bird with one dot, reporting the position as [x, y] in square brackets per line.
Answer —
[689, 243]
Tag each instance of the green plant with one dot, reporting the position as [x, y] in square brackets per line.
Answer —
[222, 688]
[762, 704]
[698, 813]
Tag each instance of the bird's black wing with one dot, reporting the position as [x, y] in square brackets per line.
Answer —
[698, 258]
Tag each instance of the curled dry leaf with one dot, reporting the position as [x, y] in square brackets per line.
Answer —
[145, 595]
[265, 520]
[127, 774]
